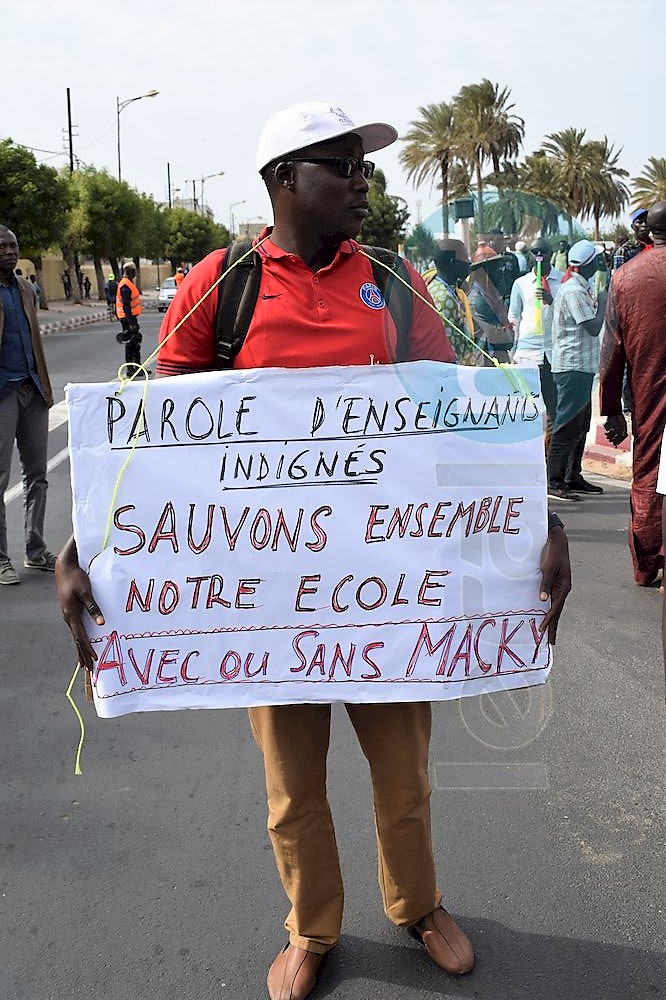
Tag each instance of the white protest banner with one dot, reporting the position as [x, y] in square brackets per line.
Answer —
[332, 534]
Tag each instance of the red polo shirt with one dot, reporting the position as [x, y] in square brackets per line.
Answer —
[302, 318]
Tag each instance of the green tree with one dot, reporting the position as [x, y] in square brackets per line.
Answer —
[387, 217]
[33, 202]
[650, 186]
[538, 175]
[608, 192]
[191, 236]
[153, 228]
[530, 199]
[571, 158]
[487, 130]
[105, 220]
[152, 232]
[420, 245]
[431, 151]
[616, 233]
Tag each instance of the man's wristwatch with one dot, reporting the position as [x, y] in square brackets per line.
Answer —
[554, 521]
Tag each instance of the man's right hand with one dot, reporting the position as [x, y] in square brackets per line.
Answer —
[75, 595]
[616, 429]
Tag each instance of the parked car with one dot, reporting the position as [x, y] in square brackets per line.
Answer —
[167, 291]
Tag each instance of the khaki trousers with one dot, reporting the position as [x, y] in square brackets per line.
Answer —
[294, 740]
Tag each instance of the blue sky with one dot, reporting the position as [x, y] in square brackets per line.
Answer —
[223, 68]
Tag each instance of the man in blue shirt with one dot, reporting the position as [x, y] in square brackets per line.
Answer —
[25, 398]
[642, 239]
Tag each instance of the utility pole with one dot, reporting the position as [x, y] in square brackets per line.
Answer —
[69, 130]
[193, 182]
[169, 181]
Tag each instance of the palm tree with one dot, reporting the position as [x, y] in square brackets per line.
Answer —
[431, 151]
[609, 193]
[650, 186]
[488, 130]
[570, 154]
[526, 192]
[538, 179]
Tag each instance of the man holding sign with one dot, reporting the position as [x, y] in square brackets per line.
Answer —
[318, 305]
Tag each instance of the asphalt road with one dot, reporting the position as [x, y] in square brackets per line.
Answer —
[151, 875]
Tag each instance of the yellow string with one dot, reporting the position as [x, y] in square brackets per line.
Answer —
[142, 369]
[209, 291]
[135, 438]
[469, 319]
[125, 380]
[68, 695]
[513, 374]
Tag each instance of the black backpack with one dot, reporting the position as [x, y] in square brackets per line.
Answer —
[238, 294]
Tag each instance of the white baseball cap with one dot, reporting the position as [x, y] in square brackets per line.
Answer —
[303, 125]
[582, 253]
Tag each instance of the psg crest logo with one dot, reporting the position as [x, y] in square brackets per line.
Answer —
[371, 295]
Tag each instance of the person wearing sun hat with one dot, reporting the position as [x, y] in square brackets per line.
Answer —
[577, 322]
[493, 332]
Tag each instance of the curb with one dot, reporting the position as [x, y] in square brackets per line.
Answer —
[71, 323]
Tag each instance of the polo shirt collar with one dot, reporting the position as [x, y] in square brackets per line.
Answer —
[272, 250]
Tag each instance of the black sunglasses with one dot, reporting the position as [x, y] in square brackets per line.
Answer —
[346, 165]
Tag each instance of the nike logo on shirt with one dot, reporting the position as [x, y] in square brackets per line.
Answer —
[276, 296]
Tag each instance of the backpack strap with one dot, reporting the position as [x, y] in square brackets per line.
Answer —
[236, 299]
[398, 296]
[238, 294]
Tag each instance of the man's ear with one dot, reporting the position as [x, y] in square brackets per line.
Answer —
[284, 174]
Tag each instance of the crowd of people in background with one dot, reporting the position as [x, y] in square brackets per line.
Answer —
[554, 305]
[577, 312]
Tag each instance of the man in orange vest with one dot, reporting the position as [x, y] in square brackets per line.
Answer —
[128, 310]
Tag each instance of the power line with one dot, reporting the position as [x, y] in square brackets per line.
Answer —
[34, 149]
[92, 143]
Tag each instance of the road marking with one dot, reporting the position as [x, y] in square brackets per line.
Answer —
[58, 415]
[16, 491]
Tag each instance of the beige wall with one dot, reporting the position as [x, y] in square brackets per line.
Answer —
[53, 266]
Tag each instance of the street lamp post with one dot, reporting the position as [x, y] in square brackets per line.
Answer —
[120, 106]
[232, 206]
[218, 173]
